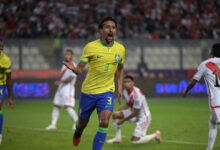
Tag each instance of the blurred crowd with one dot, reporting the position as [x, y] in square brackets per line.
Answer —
[148, 19]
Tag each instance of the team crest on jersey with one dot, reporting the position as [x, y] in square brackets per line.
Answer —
[117, 57]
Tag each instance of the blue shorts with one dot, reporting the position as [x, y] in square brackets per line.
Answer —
[88, 102]
[2, 92]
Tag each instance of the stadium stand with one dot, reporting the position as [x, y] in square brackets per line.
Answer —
[158, 22]
[31, 58]
[157, 54]
[161, 19]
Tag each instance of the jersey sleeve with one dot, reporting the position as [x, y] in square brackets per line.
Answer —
[200, 72]
[9, 66]
[122, 56]
[8, 70]
[137, 102]
[86, 54]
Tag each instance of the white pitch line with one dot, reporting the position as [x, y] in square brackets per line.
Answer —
[88, 133]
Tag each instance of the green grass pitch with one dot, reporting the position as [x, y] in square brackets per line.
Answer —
[183, 125]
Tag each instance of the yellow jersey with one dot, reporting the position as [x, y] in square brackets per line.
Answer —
[5, 67]
[103, 62]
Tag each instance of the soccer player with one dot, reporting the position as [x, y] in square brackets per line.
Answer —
[104, 57]
[5, 82]
[65, 94]
[210, 69]
[136, 111]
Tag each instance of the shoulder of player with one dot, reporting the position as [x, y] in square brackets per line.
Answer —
[125, 92]
[136, 92]
[6, 57]
[203, 63]
[91, 44]
[119, 45]
[6, 60]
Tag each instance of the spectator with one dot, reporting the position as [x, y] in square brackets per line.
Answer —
[142, 68]
[161, 19]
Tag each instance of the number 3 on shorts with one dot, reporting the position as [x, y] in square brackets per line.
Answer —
[109, 100]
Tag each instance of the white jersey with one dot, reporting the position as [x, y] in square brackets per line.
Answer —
[65, 94]
[65, 74]
[136, 100]
[210, 69]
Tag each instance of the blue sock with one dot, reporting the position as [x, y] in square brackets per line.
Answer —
[1, 121]
[99, 138]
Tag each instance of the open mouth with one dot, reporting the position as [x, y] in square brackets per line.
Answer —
[110, 36]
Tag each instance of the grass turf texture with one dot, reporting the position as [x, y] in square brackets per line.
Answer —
[179, 121]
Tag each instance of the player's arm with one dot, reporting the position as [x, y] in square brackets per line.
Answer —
[196, 78]
[124, 107]
[134, 113]
[9, 88]
[120, 75]
[83, 61]
[64, 81]
[76, 69]
[189, 86]
[67, 80]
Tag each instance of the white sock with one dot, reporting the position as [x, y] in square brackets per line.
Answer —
[117, 129]
[55, 115]
[212, 134]
[72, 113]
[145, 139]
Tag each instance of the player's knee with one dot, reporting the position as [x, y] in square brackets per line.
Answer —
[114, 116]
[57, 106]
[117, 115]
[67, 108]
[135, 140]
[103, 123]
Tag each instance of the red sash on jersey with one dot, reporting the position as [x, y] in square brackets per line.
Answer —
[212, 66]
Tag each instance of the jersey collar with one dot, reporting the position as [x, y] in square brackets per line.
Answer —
[131, 91]
[104, 43]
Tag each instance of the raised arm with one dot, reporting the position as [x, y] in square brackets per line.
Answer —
[190, 86]
[76, 69]
[9, 88]
[120, 75]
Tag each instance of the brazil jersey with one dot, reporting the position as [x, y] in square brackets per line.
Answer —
[103, 62]
[5, 67]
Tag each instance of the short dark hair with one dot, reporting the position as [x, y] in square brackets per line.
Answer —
[1, 40]
[101, 24]
[216, 49]
[129, 77]
[69, 50]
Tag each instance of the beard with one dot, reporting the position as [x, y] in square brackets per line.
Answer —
[109, 39]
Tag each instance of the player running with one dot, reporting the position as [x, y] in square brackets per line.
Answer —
[211, 72]
[5, 82]
[136, 111]
[104, 57]
[65, 94]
